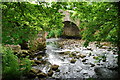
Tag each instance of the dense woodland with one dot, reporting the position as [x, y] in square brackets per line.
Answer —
[23, 21]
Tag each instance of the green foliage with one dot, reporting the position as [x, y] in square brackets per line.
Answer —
[23, 20]
[99, 21]
[11, 65]
[55, 33]
[26, 65]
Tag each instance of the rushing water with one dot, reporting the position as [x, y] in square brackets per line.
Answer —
[86, 67]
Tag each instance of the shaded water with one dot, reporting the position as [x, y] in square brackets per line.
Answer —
[97, 63]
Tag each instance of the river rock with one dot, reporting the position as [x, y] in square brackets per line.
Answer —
[58, 70]
[92, 65]
[39, 57]
[41, 75]
[82, 56]
[84, 60]
[34, 64]
[67, 52]
[35, 71]
[54, 67]
[73, 61]
[24, 52]
[50, 72]
[43, 61]
[73, 54]
[37, 61]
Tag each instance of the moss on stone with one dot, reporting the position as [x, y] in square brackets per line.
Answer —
[73, 61]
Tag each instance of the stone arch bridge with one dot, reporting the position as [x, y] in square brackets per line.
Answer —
[71, 29]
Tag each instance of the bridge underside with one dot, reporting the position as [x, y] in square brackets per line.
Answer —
[70, 30]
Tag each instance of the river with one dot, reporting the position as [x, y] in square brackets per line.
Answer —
[89, 62]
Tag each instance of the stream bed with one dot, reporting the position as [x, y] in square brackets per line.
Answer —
[76, 61]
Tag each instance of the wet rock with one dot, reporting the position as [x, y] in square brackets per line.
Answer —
[54, 67]
[77, 51]
[67, 52]
[35, 71]
[58, 70]
[89, 48]
[43, 62]
[41, 75]
[104, 60]
[70, 55]
[73, 54]
[92, 65]
[34, 64]
[22, 55]
[50, 73]
[73, 61]
[105, 47]
[77, 57]
[39, 57]
[82, 56]
[90, 54]
[84, 60]
[24, 51]
[95, 57]
[37, 61]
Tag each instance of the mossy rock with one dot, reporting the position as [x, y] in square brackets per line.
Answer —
[77, 57]
[34, 64]
[41, 75]
[95, 57]
[35, 71]
[67, 52]
[50, 73]
[43, 61]
[73, 54]
[58, 70]
[82, 56]
[24, 52]
[70, 55]
[37, 61]
[54, 67]
[39, 57]
[73, 61]
[23, 55]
